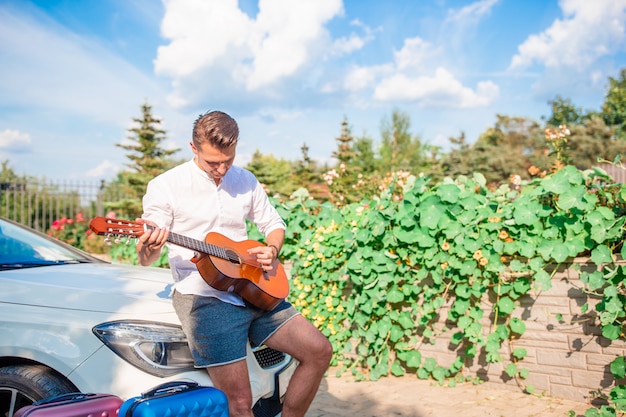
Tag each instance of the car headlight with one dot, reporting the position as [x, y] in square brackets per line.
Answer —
[157, 348]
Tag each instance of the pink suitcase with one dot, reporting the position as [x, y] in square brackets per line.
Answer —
[73, 405]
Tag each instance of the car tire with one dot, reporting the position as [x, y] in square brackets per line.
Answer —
[22, 385]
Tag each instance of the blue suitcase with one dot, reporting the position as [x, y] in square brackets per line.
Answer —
[177, 398]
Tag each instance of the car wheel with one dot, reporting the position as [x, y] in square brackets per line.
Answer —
[22, 385]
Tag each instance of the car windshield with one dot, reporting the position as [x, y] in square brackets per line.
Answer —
[21, 247]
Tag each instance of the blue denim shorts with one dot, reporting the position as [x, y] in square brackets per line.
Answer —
[217, 331]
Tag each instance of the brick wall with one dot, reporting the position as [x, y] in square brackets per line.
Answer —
[567, 358]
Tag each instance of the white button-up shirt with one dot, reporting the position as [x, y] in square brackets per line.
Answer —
[187, 201]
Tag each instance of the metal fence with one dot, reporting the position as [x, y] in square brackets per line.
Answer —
[38, 203]
[617, 172]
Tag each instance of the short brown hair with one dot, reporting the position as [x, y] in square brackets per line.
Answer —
[216, 128]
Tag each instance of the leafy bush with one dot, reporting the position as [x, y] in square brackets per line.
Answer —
[75, 231]
[374, 276]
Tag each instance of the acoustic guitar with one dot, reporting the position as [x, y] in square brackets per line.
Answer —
[223, 263]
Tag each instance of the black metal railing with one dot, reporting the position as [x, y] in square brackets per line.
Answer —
[38, 203]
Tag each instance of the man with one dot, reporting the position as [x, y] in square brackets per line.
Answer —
[209, 194]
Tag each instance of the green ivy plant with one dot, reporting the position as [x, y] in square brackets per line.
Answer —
[377, 275]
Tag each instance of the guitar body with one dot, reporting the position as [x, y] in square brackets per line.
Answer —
[262, 289]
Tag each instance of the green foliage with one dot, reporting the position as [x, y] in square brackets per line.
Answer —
[73, 231]
[614, 107]
[564, 112]
[275, 174]
[399, 149]
[508, 148]
[124, 251]
[377, 276]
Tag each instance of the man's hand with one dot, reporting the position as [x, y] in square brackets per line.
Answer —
[150, 242]
[265, 256]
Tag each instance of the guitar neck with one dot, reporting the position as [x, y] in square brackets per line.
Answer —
[197, 245]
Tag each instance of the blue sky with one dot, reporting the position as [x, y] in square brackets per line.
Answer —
[74, 73]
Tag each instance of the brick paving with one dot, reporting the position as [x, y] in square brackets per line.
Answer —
[408, 396]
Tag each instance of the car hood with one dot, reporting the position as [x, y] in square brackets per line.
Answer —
[91, 287]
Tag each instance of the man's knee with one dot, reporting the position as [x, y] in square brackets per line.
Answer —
[328, 351]
[323, 351]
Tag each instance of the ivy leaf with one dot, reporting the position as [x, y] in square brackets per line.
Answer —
[618, 367]
[396, 333]
[405, 321]
[378, 229]
[611, 331]
[405, 236]
[397, 369]
[430, 210]
[526, 214]
[439, 373]
[575, 246]
[594, 280]
[511, 370]
[449, 193]
[395, 296]
[557, 183]
[618, 396]
[517, 326]
[560, 252]
[506, 305]
[601, 254]
[456, 338]
[519, 353]
[412, 358]
[571, 197]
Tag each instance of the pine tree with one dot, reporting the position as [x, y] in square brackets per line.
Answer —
[306, 170]
[614, 107]
[148, 158]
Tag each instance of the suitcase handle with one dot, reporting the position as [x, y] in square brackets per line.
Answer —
[63, 397]
[169, 387]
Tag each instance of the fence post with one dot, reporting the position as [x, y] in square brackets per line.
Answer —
[99, 198]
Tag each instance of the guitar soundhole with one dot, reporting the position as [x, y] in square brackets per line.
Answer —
[232, 257]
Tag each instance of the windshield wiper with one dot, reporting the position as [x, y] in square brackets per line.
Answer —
[34, 264]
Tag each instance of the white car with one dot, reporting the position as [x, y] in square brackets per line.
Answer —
[70, 322]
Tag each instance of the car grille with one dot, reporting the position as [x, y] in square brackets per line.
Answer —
[268, 357]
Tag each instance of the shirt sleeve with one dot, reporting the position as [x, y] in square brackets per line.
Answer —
[156, 206]
[264, 215]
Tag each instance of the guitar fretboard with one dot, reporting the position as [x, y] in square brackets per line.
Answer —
[201, 246]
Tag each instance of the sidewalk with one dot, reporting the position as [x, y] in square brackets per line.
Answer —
[408, 396]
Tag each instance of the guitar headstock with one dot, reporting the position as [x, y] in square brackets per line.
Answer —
[115, 227]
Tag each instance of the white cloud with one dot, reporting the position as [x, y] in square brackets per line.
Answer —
[415, 54]
[215, 43]
[354, 42]
[588, 31]
[104, 170]
[440, 90]
[415, 77]
[15, 141]
[472, 12]
[360, 78]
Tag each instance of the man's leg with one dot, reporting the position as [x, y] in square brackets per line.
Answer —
[300, 339]
[234, 381]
